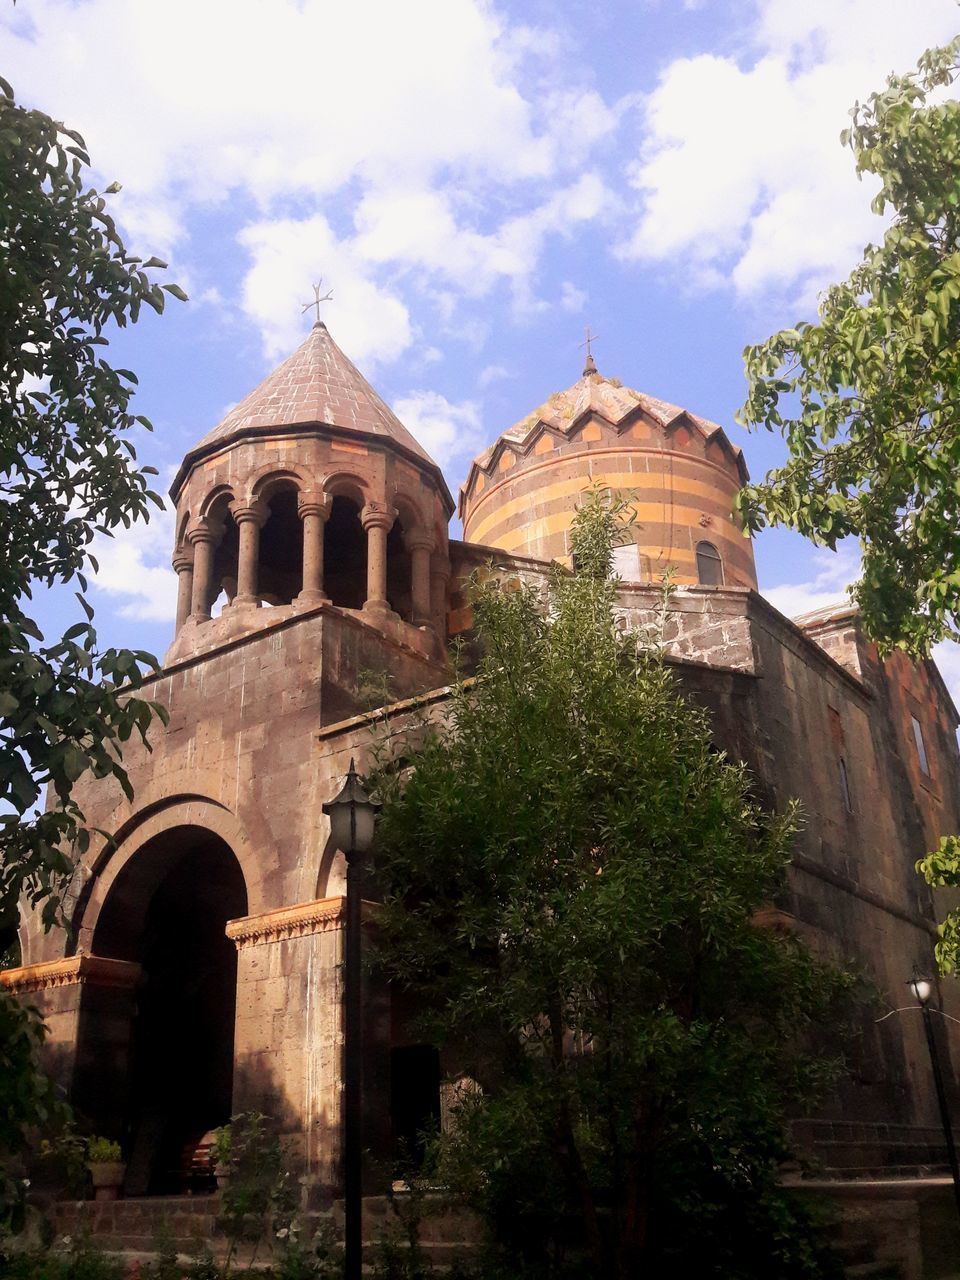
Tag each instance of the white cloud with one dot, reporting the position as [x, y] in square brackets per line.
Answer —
[426, 230]
[300, 117]
[372, 323]
[572, 298]
[492, 373]
[741, 175]
[135, 568]
[833, 572]
[444, 428]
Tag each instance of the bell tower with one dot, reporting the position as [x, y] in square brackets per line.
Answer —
[310, 493]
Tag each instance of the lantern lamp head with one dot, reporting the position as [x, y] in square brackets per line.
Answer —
[922, 988]
[352, 817]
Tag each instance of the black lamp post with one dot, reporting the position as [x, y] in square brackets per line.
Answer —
[352, 819]
[922, 989]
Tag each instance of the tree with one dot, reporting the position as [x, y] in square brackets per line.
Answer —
[67, 472]
[868, 398]
[570, 873]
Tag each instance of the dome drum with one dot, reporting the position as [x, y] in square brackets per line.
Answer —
[679, 471]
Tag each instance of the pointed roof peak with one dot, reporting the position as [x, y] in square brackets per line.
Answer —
[316, 385]
[590, 367]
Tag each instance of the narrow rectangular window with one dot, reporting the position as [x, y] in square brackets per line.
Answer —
[845, 785]
[921, 749]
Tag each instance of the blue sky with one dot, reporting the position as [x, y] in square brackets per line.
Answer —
[475, 182]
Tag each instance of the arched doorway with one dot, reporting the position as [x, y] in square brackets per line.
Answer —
[158, 1073]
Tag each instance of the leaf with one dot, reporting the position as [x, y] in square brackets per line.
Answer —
[74, 762]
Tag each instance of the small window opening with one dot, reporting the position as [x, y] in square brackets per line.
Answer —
[345, 555]
[626, 562]
[844, 785]
[921, 748]
[281, 550]
[709, 565]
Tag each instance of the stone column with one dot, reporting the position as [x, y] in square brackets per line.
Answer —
[420, 543]
[183, 564]
[377, 519]
[250, 518]
[314, 511]
[203, 539]
[439, 577]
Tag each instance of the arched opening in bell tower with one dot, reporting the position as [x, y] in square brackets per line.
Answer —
[399, 580]
[155, 1071]
[345, 554]
[281, 548]
[225, 558]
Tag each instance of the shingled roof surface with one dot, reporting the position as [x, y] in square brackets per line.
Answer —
[605, 397]
[317, 384]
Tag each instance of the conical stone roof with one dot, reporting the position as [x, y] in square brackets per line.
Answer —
[317, 385]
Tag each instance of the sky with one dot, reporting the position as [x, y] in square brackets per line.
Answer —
[475, 183]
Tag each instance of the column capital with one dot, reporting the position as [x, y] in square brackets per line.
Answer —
[314, 503]
[378, 515]
[182, 559]
[255, 511]
[202, 530]
[419, 540]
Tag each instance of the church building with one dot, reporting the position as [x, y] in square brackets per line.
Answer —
[201, 975]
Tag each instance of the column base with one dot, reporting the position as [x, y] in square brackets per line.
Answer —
[379, 609]
[245, 602]
[307, 599]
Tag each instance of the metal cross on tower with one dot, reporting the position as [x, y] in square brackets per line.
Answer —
[317, 299]
[589, 365]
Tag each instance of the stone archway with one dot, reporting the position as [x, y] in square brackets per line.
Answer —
[156, 1069]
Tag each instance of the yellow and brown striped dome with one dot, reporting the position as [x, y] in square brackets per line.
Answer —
[680, 471]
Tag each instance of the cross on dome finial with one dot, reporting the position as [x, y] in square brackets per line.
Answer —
[327, 297]
[590, 364]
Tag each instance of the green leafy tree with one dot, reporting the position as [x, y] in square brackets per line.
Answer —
[570, 875]
[868, 397]
[68, 472]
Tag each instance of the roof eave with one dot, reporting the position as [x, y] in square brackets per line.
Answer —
[201, 451]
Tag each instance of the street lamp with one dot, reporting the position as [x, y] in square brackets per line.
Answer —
[352, 817]
[922, 989]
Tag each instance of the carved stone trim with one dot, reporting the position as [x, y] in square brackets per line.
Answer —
[298, 921]
[94, 971]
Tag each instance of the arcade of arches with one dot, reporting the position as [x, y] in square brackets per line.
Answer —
[290, 548]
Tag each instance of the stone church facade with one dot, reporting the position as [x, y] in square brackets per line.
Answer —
[201, 973]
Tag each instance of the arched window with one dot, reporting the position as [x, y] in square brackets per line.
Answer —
[709, 565]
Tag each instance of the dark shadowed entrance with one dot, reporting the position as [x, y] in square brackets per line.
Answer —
[159, 1074]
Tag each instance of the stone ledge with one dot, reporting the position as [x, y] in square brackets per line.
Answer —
[95, 971]
[298, 921]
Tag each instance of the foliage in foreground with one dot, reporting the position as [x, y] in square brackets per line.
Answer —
[67, 473]
[868, 398]
[570, 874]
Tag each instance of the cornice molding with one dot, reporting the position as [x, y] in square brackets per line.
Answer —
[286, 923]
[94, 971]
